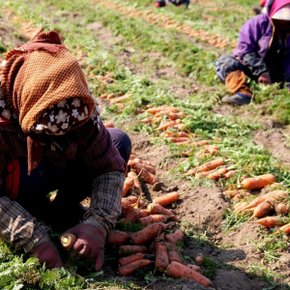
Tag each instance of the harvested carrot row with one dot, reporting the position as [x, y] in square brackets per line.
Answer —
[133, 266]
[272, 221]
[276, 195]
[126, 250]
[117, 237]
[148, 233]
[129, 259]
[258, 182]
[178, 270]
[167, 199]
[161, 257]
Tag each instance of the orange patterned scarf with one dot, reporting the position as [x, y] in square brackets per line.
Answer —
[38, 75]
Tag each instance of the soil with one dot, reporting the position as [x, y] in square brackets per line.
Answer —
[202, 208]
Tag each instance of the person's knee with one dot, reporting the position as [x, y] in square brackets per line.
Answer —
[122, 142]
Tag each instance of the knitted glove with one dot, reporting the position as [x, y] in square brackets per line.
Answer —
[90, 242]
[47, 253]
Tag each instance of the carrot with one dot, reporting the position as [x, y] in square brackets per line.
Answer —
[200, 143]
[218, 173]
[231, 193]
[177, 270]
[140, 165]
[128, 259]
[258, 182]
[178, 139]
[148, 233]
[126, 250]
[211, 165]
[263, 209]
[67, 240]
[175, 116]
[117, 237]
[194, 267]
[175, 237]
[153, 218]
[167, 199]
[173, 253]
[134, 176]
[229, 174]
[132, 215]
[143, 212]
[168, 124]
[281, 208]
[199, 259]
[129, 201]
[133, 266]
[128, 185]
[119, 99]
[275, 194]
[161, 257]
[271, 221]
[156, 208]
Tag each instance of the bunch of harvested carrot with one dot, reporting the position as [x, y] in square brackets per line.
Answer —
[207, 166]
[144, 169]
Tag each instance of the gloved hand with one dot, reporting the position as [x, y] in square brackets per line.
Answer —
[47, 253]
[264, 79]
[90, 242]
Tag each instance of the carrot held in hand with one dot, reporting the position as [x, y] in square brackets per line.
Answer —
[258, 182]
[134, 266]
[177, 270]
[67, 240]
[167, 199]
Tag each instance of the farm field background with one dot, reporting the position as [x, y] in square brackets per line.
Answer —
[157, 57]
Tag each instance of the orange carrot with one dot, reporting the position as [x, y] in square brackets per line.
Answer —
[175, 116]
[272, 221]
[175, 237]
[194, 267]
[177, 270]
[126, 250]
[258, 182]
[178, 139]
[133, 266]
[211, 165]
[281, 208]
[143, 212]
[148, 233]
[275, 194]
[134, 176]
[167, 199]
[131, 216]
[263, 209]
[218, 173]
[156, 208]
[200, 143]
[229, 174]
[231, 193]
[168, 124]
[129, 259]
[119, 99]
[161, 257]
[173, 253]
[129, 201]
[153, 218]
[128, 185]
[67, 240]
[117, 237]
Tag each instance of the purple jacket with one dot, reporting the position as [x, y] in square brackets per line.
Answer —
[254, 43]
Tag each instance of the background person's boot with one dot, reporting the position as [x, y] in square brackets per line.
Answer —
[236, 83]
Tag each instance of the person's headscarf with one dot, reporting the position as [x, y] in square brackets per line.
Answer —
[278, 9]
[39, 75]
